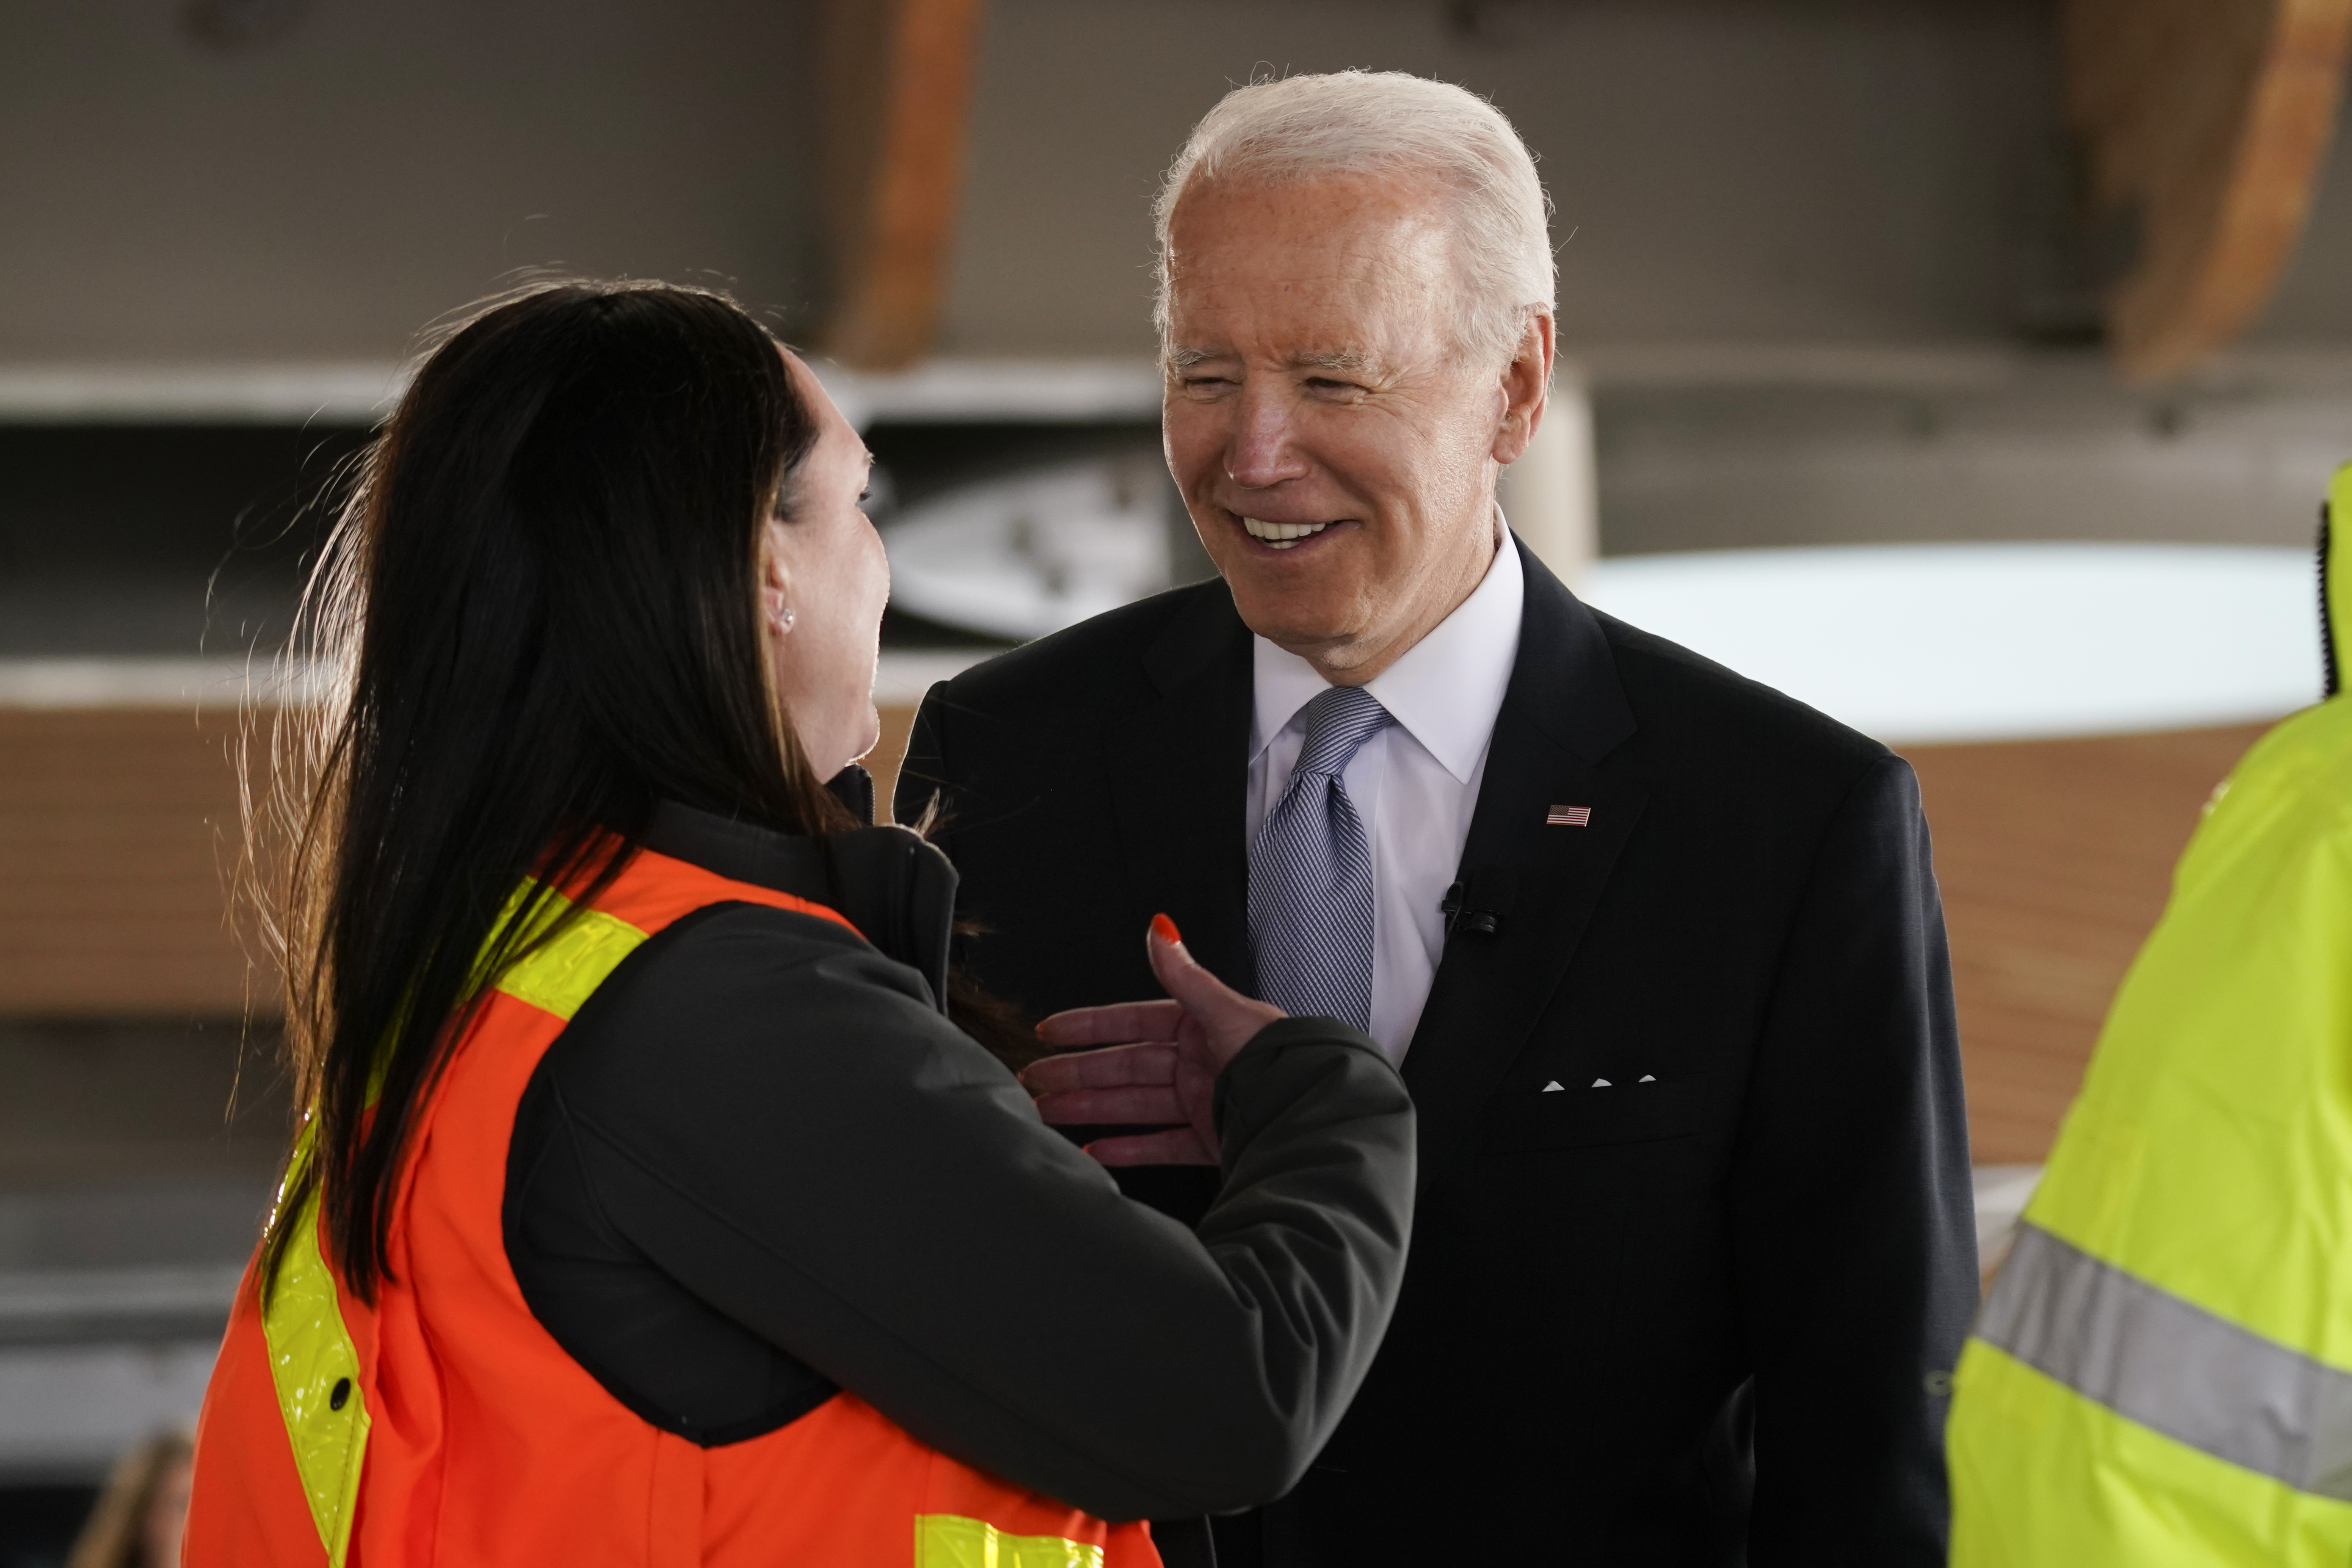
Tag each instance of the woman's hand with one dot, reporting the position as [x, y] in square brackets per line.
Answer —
[1160, 1064]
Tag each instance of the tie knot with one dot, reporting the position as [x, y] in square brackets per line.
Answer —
[1337, 724]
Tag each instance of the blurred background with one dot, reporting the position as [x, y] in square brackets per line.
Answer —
[2010, 340]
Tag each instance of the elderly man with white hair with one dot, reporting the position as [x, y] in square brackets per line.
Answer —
[1658, 949]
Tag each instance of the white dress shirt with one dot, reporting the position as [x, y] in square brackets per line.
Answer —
[1415, 784]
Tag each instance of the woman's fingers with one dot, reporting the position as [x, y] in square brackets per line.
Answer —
[1227, 1017]
[1118, 1024]
[1134, 1084]
[1118, 1067]
[1173, 961]
[1139, 1107]
[1159, 1061]
[1175, 1146]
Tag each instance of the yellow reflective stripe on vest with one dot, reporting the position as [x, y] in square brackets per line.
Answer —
[2177, 1369]
[311, 1357]
[951, 1540]
[311, 1351]
[559, 977]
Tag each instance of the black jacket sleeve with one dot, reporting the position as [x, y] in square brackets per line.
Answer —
[1855, 1249]
[776, 1117]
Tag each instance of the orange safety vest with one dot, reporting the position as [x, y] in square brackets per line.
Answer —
[446, 1425]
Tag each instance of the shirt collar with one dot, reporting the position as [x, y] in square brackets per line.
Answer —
[1446, 690]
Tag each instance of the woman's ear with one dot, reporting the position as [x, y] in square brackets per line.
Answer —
[775, 584]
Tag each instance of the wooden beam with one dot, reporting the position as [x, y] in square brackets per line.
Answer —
[2205, 123]
[897, 92]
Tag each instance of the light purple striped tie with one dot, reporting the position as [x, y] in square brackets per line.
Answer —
[1310, 887]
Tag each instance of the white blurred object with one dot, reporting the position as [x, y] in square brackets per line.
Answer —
[2002, 1194]
[906, 676]
[1548, 495]
[1032, 552]
[1924, 643]
[356, 392]
[997, 391]
[67, 1410]
[134, 682]
[1909, 642]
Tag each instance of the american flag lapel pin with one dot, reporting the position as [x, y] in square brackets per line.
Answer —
[1569, 816]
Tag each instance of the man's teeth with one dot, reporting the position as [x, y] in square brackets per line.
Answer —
[1282, 535]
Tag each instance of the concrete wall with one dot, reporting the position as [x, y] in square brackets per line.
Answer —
[1812, 169]
[1727, 171]
[2055, 451]
[327, 193]
[1852, 170]
[1790, 181]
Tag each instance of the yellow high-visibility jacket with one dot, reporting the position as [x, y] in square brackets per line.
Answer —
[2163, 1373]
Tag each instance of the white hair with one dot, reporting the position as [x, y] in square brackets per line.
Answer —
[1388, 122]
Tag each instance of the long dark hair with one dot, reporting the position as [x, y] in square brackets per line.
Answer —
[539, 613]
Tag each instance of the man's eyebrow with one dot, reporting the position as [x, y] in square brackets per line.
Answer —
[1333, 359]
[1348, 359]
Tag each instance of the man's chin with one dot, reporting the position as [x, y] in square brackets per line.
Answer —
[1305, 621]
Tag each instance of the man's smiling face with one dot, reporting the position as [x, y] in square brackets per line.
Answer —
[1336, 450]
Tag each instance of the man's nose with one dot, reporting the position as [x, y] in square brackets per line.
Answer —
[1264, 451]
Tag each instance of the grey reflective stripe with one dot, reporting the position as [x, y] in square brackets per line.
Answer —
[2151, 1356]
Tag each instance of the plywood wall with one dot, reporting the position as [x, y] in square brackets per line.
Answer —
[2054, 858]
[120, 842]
[118, 835]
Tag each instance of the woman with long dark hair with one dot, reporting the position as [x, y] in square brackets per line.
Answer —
[649, 1203]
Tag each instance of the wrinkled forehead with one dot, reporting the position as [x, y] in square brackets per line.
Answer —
[1338, 266]
[1340, 225]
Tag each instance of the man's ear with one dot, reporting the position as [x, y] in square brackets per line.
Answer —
[1526, 383]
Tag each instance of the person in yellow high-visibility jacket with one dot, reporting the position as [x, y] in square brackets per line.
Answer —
[2163, 1373]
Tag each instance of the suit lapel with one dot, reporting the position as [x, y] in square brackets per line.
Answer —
[1562, 714]
[1177, 773]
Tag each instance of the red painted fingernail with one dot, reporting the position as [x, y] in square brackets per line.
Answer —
[1165, 930]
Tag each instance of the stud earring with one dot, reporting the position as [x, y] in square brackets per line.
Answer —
[783, 618]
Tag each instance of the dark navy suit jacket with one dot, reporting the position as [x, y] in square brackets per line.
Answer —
[1705, 1315]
